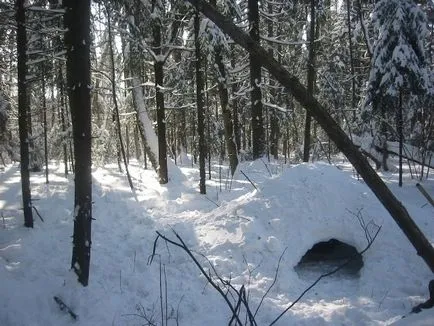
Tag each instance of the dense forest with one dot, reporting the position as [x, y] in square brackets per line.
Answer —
[139, 109]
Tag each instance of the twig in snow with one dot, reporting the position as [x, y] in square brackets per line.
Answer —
[212, 201]
[65, 307]
[266, 166]
[272, 284]
[181, 244]
[37, 213]
[248, 179]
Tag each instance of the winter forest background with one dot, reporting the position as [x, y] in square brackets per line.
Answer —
[164, 86]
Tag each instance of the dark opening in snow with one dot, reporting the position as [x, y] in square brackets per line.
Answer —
[326, 256]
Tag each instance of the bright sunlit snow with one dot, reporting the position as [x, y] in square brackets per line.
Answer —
[240, 230]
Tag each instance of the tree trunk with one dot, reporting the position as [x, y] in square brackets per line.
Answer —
[310, 80]
[333, 130]
[23, 108]
[115, 101]
[44, 113]
[62, 120]
[258, 141]
[200, 104]
[353, 76]
[159, 95]
[77, 41]
[273, 115]
[400, 135]
[222, 83]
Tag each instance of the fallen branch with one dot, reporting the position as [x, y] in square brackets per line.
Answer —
[64, 307]
[37, 213]
[248, 179]
[181, 244]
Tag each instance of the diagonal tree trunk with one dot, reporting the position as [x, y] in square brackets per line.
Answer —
[333, 130]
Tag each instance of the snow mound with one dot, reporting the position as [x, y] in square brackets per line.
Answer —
[307, 204]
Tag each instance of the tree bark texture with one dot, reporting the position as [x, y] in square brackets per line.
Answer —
[258, 136]
[159, 95]
[310, 80]
[333, 130]
[77, 41]
[200, 102]
[23, 108]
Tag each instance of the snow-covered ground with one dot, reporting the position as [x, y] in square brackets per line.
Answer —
[240, 230]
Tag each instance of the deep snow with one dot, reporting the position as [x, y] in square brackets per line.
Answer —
[241, 230]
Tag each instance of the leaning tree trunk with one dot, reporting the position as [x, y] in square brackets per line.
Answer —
[331, 127]
[77, 41]
[144, 124]
[23, 108]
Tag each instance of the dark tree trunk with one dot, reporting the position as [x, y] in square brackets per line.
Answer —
[77, 41]
[258, 141]
[44, 112]
[236, 111]
[353, 76]
[333, 130]
[23, 108]
[400, 136]
[274, 120]
[115, 102]
[310, 80]
[226, 113]
[200, 104]
[159, 95]
[62, 119]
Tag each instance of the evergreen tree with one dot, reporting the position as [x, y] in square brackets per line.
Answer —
[399, 66]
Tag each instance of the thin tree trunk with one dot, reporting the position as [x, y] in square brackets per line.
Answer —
[115, 101]
[353, 77]
[310, 80]
[200, 104]
[222, 83]
[44, 112]
[23, 108]
[273, 140]
[77, 41]
[401, 137]
[63, 124]
[333, 130]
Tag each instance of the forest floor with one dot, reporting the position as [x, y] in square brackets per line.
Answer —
[247, 234]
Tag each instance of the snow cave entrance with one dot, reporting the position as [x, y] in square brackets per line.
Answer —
[326, 256]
